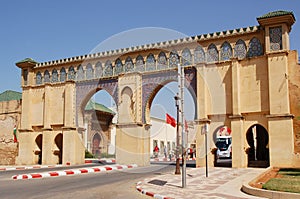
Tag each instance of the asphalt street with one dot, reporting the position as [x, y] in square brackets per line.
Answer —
[110, 184]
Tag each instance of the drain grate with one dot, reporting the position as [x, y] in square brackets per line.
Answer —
[158, 182]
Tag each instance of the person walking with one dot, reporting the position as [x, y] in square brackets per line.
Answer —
[165, 152]
[156, 150]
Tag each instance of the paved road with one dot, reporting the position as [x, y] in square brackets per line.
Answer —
[112, 184]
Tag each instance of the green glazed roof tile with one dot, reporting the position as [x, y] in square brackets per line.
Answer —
[27, 60]
[91, 105]
[10, 95]
[276, 14]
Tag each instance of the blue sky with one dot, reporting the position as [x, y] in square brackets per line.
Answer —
[51, 30]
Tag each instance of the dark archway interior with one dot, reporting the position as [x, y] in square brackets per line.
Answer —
[58, 142]
[39, 143]
[258, 151]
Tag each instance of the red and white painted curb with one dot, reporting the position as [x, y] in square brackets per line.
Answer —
[30, 167]
[73, 172]
[167, 159]
[102, 160]
[148, 193]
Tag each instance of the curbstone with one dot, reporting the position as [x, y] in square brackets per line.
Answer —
[147, 193]
[72, 172]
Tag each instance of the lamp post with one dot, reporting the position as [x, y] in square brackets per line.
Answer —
[177, 170]
[183, 140]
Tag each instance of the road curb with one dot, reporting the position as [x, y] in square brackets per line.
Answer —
[148, 193]
[168, 159]
[30, 167]
[72, 172]
[102, 160]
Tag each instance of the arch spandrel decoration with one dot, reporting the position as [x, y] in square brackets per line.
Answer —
[84, 88]
[153, 82]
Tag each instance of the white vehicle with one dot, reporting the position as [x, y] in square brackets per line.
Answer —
[224, 146]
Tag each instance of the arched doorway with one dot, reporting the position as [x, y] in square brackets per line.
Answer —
[258, 151]
[164, 134]
[38, 151]
[58, 141]
[223, 143]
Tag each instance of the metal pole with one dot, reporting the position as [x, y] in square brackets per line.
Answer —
[206, 166]
[181, 88]
[177, 170]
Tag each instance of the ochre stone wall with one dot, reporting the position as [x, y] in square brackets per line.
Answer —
[10, 112]
[294, 87]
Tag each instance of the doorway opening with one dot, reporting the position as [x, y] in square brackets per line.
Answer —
[38, 151]
[258, 150]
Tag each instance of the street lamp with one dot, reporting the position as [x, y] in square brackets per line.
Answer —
[181, 79]
[177, 170]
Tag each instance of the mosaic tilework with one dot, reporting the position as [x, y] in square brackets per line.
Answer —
[38, 79]
[186, 57]
[89, 72]
[129, 67]
[276, 38]
[226, 51]
[80, 73]
[118, 67]
[199, 55]
[212, 53]
[139, 65]
[108, 70]
[98, 70]
[63, 75]
[152, 82]
[240, 49]
[255, 48]
[46, 76]
[85, 88]
[173, 60]
[162, 62]
[71, 73]
[150, 62]
[54, 77]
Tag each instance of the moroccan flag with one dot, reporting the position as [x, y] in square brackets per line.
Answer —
[186, 126]
[15, 135]
[170, 120]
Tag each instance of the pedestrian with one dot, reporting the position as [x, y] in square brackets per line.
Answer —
[191, 152]
[165, 152]
[156, 150]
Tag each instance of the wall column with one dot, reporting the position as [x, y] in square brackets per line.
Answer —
[239, 156]
[69, 108]
[280, 122]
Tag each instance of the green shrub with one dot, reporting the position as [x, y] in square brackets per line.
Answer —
[88, 154]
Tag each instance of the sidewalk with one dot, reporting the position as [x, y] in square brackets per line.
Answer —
[221, 183]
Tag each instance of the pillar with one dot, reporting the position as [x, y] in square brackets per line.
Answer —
[239, 156]
[133, 144]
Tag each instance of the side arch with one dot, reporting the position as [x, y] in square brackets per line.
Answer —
[258, 146]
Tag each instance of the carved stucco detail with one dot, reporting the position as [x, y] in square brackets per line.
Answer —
[152, 83]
